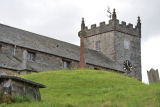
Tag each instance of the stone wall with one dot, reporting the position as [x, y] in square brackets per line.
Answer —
[16, 88]
[45, 62]
[6, 49]
[8, 59]
[21, 89]
[112, 26]
[132, 54]
[16, 61]
[106, 43]
[5, 71]
[112, 38]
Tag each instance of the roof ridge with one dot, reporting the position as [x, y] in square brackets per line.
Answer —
[39, 35]
[23, 80]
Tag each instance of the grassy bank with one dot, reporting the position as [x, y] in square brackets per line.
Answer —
[89, 88]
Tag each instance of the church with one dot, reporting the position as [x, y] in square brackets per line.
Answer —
[114, 47]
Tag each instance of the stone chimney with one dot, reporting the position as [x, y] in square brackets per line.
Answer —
[82, 34]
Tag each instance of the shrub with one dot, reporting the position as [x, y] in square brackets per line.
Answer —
[21, 99]
[11, 99]
[6, 99]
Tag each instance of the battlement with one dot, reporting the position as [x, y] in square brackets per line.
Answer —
[114, 25]
[117, 41]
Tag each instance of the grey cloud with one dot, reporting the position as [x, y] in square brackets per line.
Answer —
[150, 15]
[60, 19]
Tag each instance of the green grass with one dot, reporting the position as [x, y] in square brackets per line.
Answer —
[89, 88]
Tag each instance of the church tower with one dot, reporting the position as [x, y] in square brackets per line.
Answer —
[119, 42]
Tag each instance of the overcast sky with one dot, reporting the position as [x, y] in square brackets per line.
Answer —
[61, 19]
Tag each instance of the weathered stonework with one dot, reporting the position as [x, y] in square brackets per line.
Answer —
[133, 54]
[106, 46]
[15, 86]
[112, 37]
[18, 63]
[18, 47]
[153, 76]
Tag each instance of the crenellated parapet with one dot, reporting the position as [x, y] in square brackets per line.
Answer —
[115, 25]
[117, 41]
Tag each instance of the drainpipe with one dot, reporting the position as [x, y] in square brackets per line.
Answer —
[14, 50]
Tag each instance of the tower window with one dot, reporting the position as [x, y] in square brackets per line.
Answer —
[98, 45]
[31, 56]
[126, 44]
[66, 64]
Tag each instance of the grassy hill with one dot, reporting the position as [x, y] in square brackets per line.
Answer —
[89, 88]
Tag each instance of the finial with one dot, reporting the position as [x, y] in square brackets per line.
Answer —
[139, 20]
[114, 10]
[82, 19]
[139, 25]
[114, 16]
[82, 24]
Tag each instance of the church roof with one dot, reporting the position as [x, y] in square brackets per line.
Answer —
[52, 46]
[9, 62]
[33, 84]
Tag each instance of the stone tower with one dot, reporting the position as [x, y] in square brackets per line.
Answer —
[119, 42]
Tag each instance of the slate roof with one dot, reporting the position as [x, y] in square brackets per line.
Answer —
[49, 45]
[9, 62]
[34, 84]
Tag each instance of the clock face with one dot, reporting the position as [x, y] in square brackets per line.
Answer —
[127, 66]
